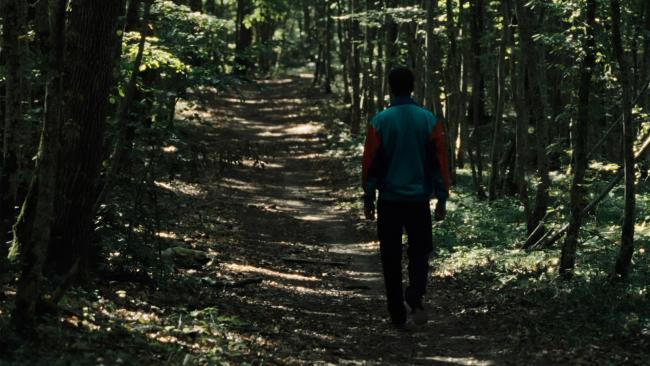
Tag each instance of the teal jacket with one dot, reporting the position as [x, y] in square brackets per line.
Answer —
[405, 155]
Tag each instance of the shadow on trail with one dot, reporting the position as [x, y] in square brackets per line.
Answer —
[317, 313]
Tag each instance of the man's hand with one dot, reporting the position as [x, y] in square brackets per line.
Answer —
[441, 210]
[369, 211]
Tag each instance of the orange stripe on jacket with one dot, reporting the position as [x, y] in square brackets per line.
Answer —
[373, 143]
[438, 138]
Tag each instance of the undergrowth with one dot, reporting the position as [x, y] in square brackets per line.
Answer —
[479, 247]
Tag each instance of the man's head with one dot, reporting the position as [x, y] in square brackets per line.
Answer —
[401, 82]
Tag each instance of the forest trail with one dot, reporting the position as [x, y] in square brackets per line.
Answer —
[315, 313]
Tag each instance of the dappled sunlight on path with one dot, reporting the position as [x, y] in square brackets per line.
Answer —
[321, 295]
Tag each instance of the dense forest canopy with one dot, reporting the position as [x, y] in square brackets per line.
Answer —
[545, 105]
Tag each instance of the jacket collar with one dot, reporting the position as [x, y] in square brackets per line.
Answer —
[401, 100]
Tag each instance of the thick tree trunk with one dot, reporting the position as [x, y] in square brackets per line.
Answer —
[91, 38]
[14, 126]
[579, 136]
[33, 228]
[627, 236]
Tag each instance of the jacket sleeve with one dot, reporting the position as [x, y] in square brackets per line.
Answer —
[368, 180]
[441, 179]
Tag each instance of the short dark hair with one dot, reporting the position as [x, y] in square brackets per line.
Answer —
[401, 81]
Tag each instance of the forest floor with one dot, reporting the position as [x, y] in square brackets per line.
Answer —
[294, 277]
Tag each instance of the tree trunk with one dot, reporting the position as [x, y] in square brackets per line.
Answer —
[327, 85]
[535, 93]
[14, 28]
[319, 71]
[433, 66]
[344, 51]
[244, 37]
[390, 49]
[579, 137]
[91, 37]
[497, 141]
[521, 136]
[368, 84]
[379, 67]
[196, 5]
[33, 228]
[211, 7]
[477, 90]
[355, 70]
[645, 77]
[453, 77]
[622, 267]
[133, 15]
[306, 17]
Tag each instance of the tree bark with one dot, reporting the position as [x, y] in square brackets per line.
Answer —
[579, 136]
[521, 135]
[344, 51]
[534, 92]
[475, 154]
[497, 141]
[133, 15]
[91, 51]
[368, 84]
[13, 132]
[211, 7]
[379, 67]
[355, 70]
[624, 259]
[196, 5]
[244, 37]
[453, 76]
[327, 84]
[433, 64]
[390, 50]
[33, 228]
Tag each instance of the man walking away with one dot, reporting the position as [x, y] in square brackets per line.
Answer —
[405, 159]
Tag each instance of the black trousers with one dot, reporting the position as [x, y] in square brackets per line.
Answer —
[415, 218]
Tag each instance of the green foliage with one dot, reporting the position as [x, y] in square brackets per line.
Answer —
[479, 245]
[195, 38]
[268, 11]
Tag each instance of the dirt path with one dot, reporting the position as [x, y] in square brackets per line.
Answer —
[314, 313]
